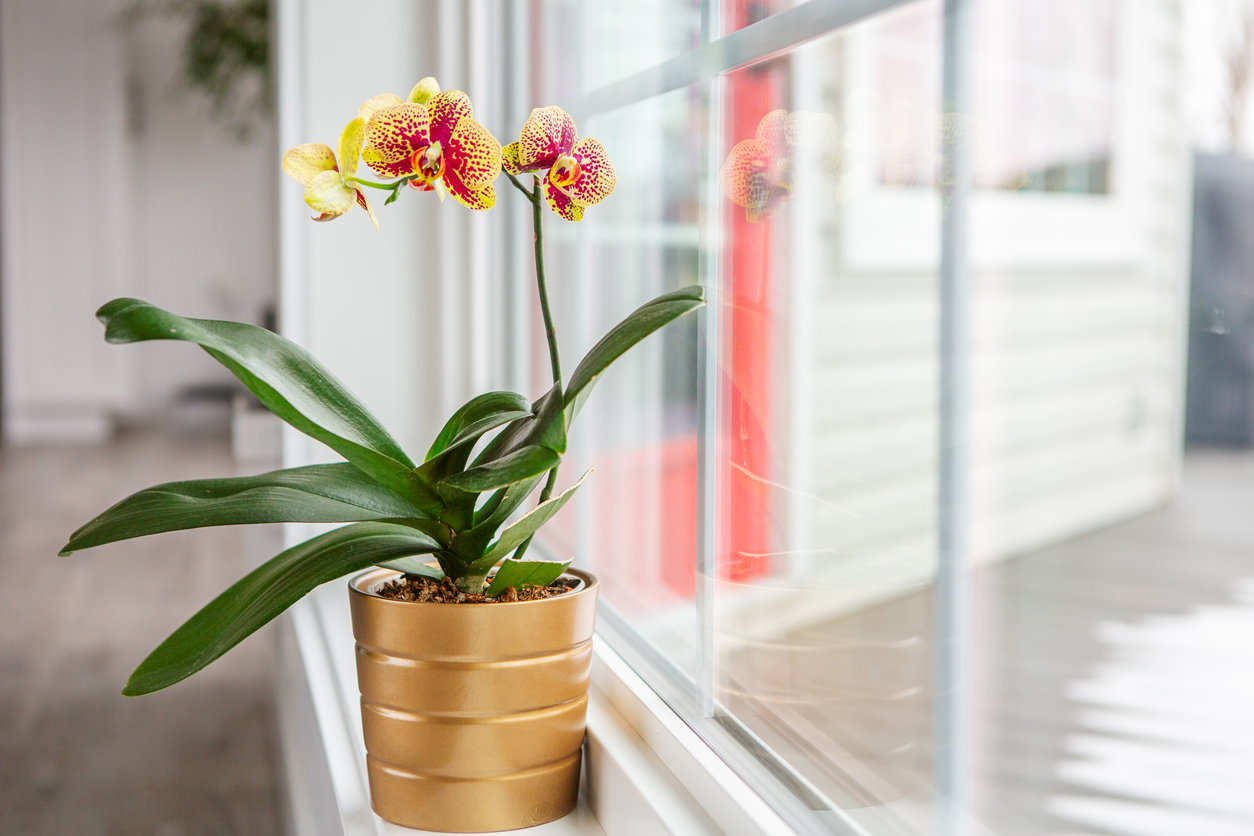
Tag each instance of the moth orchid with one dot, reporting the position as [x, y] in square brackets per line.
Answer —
[438, 143]
[758, 173]
[328, 191]
[577, 172]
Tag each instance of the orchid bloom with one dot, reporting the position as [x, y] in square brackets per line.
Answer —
[433, 139]
[577, 172]
[758, 173]
[328, 191]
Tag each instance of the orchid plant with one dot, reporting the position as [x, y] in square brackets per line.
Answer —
[457, 515]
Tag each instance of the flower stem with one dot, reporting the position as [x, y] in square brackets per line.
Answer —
[519, 186]
[550, 332]
[385, 186]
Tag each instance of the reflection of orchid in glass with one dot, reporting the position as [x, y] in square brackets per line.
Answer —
[576, 173]
[759, 172]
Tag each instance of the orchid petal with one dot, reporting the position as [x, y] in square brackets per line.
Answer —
[393, 135]
[560, 202]
[365, 204]
[772, 132]
[817, 135]
[424, 90]
[447, 109]
[474, 154]
[305, 162]
[741, 178]
[477, 199]
[327, 194]
[511, 162]
[374, 104]
[509, 159]
[350, 146]
[548, 133]
[596, 175]
[772, 203]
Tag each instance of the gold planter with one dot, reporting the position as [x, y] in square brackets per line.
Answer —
[473, 713]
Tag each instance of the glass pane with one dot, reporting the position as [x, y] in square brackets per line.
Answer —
[635, 524]
[804, 187]
[581, 46]
[827, 458]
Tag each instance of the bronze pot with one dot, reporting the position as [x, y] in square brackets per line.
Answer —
[473, 713]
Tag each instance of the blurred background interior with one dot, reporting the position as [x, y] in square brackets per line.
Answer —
[783, 459]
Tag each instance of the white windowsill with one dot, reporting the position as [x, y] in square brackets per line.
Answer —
[645, 771]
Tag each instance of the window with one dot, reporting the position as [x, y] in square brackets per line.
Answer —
[784, 543]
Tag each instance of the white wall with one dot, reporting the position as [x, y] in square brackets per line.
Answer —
[65, 199]
[370, 304]
[116, 182]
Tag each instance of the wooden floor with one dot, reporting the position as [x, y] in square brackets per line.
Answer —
[75, 756]
[1119, 654]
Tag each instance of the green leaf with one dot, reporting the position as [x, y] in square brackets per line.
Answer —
[413, 566]
[520, 573]
[643, 321]
[462, 432]
[470, 545]
[530, 522]
[288, 381]
[268, 591]
[319, 493]
[541, 428]
[515, 467]
[477, 416]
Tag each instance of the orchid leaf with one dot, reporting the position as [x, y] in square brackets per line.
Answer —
[288, 381]
[519, 573]
[529, 523]
[542, 428]
[266, 592]
[517, 466]
[477, 416]
[453, 446]
[470, 545]
[414, 566]
[319, 493]
[641, 323]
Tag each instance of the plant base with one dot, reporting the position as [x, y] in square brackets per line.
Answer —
[474, 714]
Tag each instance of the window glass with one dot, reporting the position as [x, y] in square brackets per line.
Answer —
[766, 507]
[827, 460]
[1042, 95]
[581, 46]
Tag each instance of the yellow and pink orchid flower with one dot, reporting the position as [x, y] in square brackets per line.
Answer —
[758, 173]
[577, 172]
[434, 140]
[328, 189]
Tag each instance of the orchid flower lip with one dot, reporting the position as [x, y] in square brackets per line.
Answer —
[428, 162]
[565, 171]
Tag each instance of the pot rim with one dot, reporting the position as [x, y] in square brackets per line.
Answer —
[357, 585]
